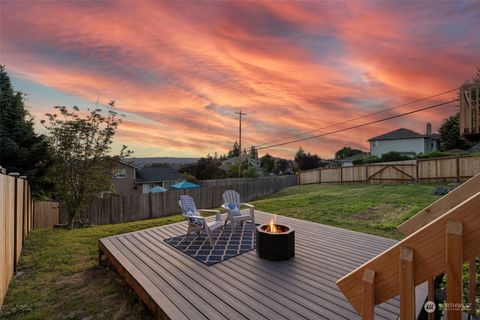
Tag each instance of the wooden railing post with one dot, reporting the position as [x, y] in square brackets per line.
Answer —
[454, 269]
[368, 295]
[407, 286]
[472, 285]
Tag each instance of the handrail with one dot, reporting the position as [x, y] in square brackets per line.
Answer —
[442, 205]
[430, 258]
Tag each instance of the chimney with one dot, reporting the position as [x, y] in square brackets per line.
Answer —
[429, 129]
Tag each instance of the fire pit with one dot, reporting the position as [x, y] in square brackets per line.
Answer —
[275, 241]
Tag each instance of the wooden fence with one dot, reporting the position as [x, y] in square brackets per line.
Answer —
[153, 205]
[449, 169]
[46, 214]
[16, 221]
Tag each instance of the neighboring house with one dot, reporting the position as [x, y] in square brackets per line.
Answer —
[255, 163]
[147, 178]
[405, 141]
[128, 179]
[123, 179]
[348, 162]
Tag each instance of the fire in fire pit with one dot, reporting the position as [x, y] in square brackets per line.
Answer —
[275, 241]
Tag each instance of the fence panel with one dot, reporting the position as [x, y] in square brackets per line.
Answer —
[331, 175]
[448, 169]
[468, 167]
[310, 176]
[354, 174]
[46, 214]
[14, 202]
[144, 206]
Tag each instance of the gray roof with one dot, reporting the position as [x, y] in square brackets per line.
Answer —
[474, 149]
[402, 133]
[156, 174]
[354, 157]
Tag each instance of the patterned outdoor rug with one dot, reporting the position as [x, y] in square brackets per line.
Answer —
[227, 245]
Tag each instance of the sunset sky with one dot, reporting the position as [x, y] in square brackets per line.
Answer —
[180, 70]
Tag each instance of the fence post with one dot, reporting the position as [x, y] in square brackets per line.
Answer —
[416, 170]
[319, 176]
[458, 168]
[366, 173]
[150, 208]
[15, 213]
[24, 208]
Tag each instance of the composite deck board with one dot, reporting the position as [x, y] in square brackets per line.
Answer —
[247, 287]
[326, 288]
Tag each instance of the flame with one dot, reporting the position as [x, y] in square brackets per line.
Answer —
[272, 227]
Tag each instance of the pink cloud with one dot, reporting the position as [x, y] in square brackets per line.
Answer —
[181, 70]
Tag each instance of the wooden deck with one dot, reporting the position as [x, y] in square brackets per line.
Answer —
[175, 286]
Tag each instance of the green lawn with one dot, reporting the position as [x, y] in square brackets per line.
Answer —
[375, 209]
[59, 278]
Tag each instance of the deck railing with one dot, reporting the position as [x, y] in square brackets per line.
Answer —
[441, 246]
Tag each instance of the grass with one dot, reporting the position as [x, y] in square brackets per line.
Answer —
[58, 276]
[374, 209]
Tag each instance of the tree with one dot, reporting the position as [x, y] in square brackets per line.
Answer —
[82, 161]
[282, 165]
[306, 161]
[346, 152]
[253, 153]
[235, 151]
[450, 133]
[267, 162]
[204, 168]
[21, 149]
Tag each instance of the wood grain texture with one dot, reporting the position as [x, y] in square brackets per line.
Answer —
[15, 195]
[454, 268]
[407, 287]
[442, 205]
[368, 295]
[448, 169]
[429, 244]
[247, 287]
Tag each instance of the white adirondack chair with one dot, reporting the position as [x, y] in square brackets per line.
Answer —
[232, 204]
[197, 223]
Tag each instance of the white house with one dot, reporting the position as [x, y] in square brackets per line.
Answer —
[405, 141]
[348, 162]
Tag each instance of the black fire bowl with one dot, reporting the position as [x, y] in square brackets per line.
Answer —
[275, 246]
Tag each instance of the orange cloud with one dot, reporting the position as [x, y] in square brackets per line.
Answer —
[180, 70]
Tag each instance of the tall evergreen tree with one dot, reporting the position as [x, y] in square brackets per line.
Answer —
[21, 149]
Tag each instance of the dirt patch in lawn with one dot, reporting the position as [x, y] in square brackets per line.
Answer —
[373, 214]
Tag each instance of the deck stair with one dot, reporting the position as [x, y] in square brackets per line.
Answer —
[442, 238]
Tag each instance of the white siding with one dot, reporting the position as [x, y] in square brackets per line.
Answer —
[379, 147]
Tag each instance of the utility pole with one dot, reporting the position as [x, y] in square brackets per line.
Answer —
[240, 114]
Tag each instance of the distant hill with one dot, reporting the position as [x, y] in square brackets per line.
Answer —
[174, 162]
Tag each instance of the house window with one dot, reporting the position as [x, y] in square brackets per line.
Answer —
[121, 173]
[376, 143]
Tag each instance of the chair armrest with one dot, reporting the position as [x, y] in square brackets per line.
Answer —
[248, 205]
[193, 217]
[225, 206]
[209, 210]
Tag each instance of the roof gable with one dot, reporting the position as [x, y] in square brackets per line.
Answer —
[401, 133]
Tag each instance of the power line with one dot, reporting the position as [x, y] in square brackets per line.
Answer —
[354, 119]
[360, 125]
